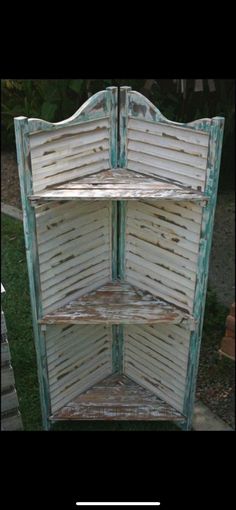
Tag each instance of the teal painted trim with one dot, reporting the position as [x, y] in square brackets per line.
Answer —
[122, 157]
[213, 168]
[183, 425]
[122, 205]
[112, 108]
[114, 239]
[24, 168]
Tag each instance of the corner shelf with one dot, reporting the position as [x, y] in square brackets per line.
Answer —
[117, 303]
[117, 184]
[139, 264]
[117, 398]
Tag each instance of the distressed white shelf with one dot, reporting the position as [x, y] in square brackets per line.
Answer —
[117, 184]
[117, 398]
[117, 303]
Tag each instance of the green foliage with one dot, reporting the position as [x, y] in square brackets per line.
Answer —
[51, 100]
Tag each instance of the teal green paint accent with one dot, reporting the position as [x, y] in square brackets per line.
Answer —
[112, 108]
[24, 167]
[213, 167]
[122, 204]
[114, 240]
[124, 97]
[184, 425]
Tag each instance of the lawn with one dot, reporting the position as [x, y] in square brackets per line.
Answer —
[16, 305]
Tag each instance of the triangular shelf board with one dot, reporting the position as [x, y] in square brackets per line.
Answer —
[118, 184]
[118, 303]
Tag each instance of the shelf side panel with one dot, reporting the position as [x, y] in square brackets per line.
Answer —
[82, 145]
[77, 358]
[74, 249]
[69, 153]
[167, 150]
[156, 357]
[161, 249]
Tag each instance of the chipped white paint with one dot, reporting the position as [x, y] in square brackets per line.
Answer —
[117, 184]
[156, 357]
[74, 249]
[116, 303]
[117, 397]
[69, 153]
[167, 152]
[78, 356]
[162, 243]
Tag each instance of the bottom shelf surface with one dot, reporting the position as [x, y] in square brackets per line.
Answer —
[117, 398]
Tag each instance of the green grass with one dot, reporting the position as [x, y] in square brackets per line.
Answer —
[16, 304]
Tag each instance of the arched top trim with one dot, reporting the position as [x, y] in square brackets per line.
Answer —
[97, 106]
[140, 107]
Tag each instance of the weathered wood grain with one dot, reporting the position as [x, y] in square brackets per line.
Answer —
[9, 402]
[116, 303]
[117, 398]
[7, 378]
[25, 178]
[161, 253]
[77, 356]
[118, 184]
[157, 358]
[213, 169]
[74, 249]
[11, 422]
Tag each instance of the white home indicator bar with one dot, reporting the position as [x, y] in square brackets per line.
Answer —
[114, 503]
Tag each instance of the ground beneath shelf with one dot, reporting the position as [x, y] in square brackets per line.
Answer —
[117, 398]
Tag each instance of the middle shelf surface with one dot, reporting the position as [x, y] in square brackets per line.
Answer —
[117, 184]
[117, 303]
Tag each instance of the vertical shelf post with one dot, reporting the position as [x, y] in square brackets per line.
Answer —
[25, 177]
[213, 169]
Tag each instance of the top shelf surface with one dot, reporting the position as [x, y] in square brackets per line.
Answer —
[117, 184]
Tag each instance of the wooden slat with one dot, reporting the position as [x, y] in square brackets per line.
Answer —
[116, 303]
[167, 151]
[9, 401]
[75, 251]
[157, 357]
[69, 152]
[162, 244]
[177, 132]
[7, 378]
[5, 353]
[12, 422]
[77, 357]
[117, 398]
